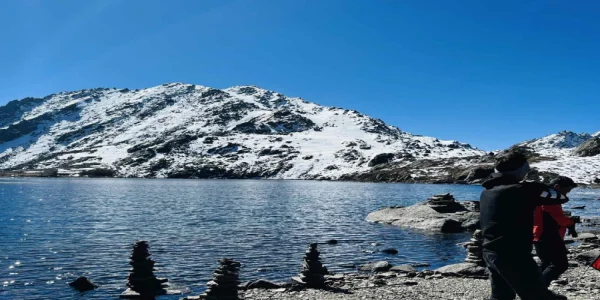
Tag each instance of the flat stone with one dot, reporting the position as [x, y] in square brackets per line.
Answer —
[586, 236]
[588, 257]
[380, 266]
[422, 216]
[403, 269]
[462, 269]
[410, 283]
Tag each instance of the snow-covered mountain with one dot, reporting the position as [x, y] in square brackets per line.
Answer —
[557, 143]
[190, 131]
[576, 155]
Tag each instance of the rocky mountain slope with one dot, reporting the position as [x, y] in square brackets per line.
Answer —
[565, 153]
[189, 131]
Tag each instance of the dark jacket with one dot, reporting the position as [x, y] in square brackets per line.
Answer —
[507, 209]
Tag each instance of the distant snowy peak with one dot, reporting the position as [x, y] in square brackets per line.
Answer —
[568, 153]
[597, 134]
[557, 141]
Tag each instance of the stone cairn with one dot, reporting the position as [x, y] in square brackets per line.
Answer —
[475, 249]
[313, 273]
[141, 281]
[224, 285]
[443, 203]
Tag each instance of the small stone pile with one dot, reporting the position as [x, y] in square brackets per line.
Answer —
[224, 285]
[141, 281]
[313, 273]
[443, 203]
[475, 249]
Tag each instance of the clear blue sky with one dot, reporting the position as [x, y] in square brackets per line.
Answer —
[490, 73]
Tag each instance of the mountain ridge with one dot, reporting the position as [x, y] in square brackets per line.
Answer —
[179, 130]
[184, 130]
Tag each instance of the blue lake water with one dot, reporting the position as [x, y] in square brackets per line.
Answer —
[54, 230]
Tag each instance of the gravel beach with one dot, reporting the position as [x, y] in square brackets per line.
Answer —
[579, 282]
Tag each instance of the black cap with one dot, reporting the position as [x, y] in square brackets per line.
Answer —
[563, 181]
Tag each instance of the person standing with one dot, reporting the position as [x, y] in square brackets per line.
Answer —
[507, 206]
[550, 226]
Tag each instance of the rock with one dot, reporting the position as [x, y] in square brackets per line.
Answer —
[422, 216]
[463, 269]
[560, 282]
[380, 266]
[410, 283]
[347, 266]
[420, 265]
[83, 284]
[382, 158]
[332, 242]
[586, 237]
[587, 257]
[573, 264]
[403, 269]
[478, 173]
[334, 277]
[391, 251]
[263, 284]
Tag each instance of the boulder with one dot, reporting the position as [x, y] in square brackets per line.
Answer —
[463, 269]
[83, 284]
[403, 269]
[391, 251]
[586, 237]
[588, 257]
[263, 284]
[479, 172]
[382, 158]
[422, 216]
[380, 266]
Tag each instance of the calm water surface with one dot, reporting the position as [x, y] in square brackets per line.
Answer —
[53, 230]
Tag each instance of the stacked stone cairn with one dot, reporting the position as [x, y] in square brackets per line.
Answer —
[313, 273]
[475, 249]
[443, 203]
[224, 285]
[141, 281]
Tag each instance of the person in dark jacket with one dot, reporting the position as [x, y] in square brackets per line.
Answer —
[550, 226]
[507, 207]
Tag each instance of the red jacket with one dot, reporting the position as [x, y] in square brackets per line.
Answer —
[549, 220]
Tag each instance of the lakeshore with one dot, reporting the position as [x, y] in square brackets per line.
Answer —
[580, 282]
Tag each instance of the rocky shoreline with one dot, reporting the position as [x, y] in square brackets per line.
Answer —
[579, 282]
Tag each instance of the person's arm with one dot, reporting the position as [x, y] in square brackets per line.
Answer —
[556, 212]
[543, 195]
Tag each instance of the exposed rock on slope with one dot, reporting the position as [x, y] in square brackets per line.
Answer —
[589, 148]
